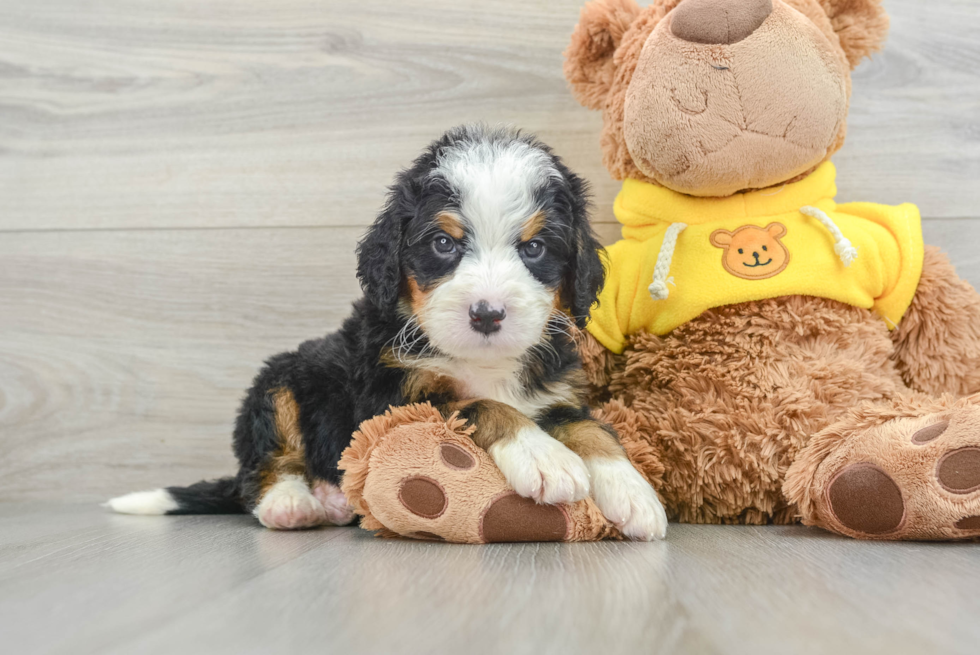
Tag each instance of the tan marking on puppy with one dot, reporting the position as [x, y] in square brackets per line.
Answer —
[420, 383]
[290, 457]
[494, 421]
[451, 224]
[588, 439]
[533, 226]
[416, 295]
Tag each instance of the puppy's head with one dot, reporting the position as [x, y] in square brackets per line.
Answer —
[483, 241]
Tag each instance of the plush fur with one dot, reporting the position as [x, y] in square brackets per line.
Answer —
[481, 262]
[797, 407]
[722, 125]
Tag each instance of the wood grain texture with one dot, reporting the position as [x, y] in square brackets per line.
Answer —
[78, 580]
[182, 185]
[124, 354]
[209, 113]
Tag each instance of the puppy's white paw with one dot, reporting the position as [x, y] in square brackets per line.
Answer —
[334, 502]
[540, 467]
[627, 499]
[289, 505]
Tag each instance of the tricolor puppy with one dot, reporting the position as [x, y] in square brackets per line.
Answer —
[475, 271]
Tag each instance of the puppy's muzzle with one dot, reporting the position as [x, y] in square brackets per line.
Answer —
[484, 318]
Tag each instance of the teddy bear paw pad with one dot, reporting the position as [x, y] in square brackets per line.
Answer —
[864, 498]
[513, 518]
[907, 478]
[423, 496]
[959, 471]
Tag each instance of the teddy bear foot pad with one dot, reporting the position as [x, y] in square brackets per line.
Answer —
[412, 473]
[909, 478]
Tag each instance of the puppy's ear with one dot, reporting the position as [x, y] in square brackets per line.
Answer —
[379, 266]
[589, 275]
[585, 274]
[589, 66]
[861, 26]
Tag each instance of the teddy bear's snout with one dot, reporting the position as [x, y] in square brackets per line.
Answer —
[720, 22]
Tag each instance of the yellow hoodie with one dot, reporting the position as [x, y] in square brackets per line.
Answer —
[682, 255]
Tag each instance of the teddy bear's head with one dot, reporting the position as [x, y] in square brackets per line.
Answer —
[712, 97]
[752, 253]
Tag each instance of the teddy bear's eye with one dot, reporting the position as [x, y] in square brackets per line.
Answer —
[765, 248]
[740, 251]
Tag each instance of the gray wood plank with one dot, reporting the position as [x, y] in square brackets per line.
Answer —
[77, 579]
[74, 579]
[199, 113]
[124, 354]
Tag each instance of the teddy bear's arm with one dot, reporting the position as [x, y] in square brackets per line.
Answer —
[937, 342]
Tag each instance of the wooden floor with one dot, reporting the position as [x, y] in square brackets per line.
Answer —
[77, 580]
[182, 184]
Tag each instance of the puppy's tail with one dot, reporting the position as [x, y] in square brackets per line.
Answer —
[205, 497]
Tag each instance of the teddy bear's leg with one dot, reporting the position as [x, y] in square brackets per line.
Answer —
[907, 469]
[412, 473]
[937, 343]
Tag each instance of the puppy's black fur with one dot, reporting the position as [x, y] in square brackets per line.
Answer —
[347, 377]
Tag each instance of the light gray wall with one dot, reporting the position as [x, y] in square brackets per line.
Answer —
[182, 185]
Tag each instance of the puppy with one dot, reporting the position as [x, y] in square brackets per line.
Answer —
[474, 274]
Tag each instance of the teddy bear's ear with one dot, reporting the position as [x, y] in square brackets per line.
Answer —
[861, 26]
[721, 238]
[776, 230]
[589, 58]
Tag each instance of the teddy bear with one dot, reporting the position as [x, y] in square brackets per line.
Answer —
[766, 354]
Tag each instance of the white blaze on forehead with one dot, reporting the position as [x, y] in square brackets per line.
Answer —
[496, 183]
[494, 177]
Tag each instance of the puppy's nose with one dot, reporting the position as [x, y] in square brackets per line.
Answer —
[721, 22]
[484, 318]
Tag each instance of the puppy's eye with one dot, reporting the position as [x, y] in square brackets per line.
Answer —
[444, 245]
[740, 251]
[533, 249]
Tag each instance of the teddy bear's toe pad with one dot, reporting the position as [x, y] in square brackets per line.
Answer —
[959, 471]
[513, 518]
[928, 433]
[423, 496]
[969, 523]
[866, 499]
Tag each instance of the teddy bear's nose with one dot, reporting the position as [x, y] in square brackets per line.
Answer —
[718, 21]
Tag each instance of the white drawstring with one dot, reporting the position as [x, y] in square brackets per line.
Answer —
[658, 288]
[842, 246]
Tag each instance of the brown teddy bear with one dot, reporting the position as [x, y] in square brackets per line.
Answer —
[766, 354]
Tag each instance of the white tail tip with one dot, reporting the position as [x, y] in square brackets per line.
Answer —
[158, 501]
